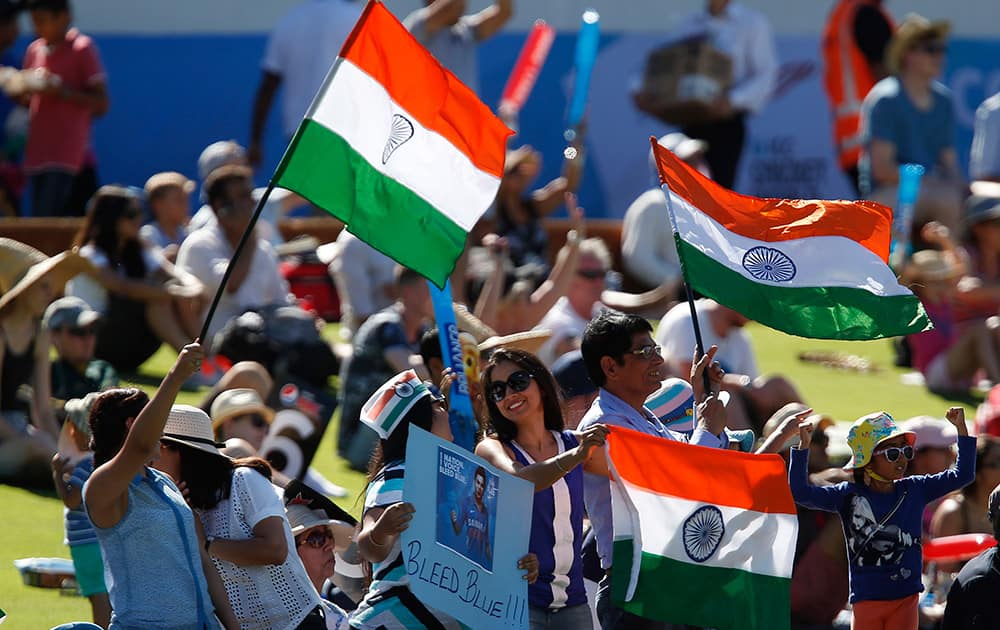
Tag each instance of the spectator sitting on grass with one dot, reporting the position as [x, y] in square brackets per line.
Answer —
[241, 420]
[70, 472]
[75, 373]
[168, 197]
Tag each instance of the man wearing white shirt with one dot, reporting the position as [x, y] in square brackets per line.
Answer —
[745, 35]
[300, 51]
[206, 252]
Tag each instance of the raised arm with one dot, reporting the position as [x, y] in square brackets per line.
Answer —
[544, 474]
[826, 498]
[491, 19]
[555, 286]
[106, 497]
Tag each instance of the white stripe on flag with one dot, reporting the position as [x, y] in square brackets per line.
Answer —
[820, 261]
[359, 109]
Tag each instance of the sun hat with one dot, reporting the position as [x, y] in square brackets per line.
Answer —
[930, 432]
[165, 179]
[301, 517]
[868, 432]
[69, 311]
[78, 411]
[529, 341]
[388, 406]
[673, 404]
[570, 372]
[191, 426]
[238, 402]
[21, 266]
[928, 265]
[914, 28]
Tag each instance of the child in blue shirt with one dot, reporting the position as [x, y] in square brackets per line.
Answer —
[881, 512]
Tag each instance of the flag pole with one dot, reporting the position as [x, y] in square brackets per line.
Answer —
[232, 262]
[699, 344]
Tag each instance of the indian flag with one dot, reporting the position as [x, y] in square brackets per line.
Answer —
[702, 536]
[397, 148]
[805, 267]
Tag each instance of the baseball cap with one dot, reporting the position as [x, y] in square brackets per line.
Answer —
[219, 154]
[69, 311]
[931, 432]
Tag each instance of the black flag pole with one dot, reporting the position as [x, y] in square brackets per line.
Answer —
[232, 262]
[699, 344]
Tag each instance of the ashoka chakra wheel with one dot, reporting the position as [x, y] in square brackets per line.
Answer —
[703, 532]
[766, 263]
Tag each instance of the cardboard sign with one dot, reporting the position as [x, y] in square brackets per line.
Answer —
[303, 411]
[459, 560]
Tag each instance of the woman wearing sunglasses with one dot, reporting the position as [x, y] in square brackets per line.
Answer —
[247, 534]
[881, 511]
[526, 437]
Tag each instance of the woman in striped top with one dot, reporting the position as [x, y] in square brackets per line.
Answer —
[389, 603]
[527, 439]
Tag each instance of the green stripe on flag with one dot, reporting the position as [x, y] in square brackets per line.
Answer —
[701, 595]
[816, 312]
[326, 170]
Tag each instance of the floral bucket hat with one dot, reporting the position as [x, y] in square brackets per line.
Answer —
[868, 432]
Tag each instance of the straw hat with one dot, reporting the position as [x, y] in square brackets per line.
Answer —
[914, 28]
[21, 266]
[238, 402]
[301, 518]
[529, 341]
[191, 426]
[167, 179]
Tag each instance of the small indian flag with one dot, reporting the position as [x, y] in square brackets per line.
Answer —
[805, 267]
[703, 536]
[397, 148]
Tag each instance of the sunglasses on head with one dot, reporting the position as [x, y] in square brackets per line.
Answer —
[81, 331]
[893, 452]
[517, 382]
[317, 538]
[646, 352]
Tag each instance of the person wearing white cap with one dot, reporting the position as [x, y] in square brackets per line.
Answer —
[159, 575]
[246, 532]
[403, 400]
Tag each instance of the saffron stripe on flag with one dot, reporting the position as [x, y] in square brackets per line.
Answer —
[323, 168]
[382, 47]
[816, 312]
[772, 220]
[701, 474]
[675, 591]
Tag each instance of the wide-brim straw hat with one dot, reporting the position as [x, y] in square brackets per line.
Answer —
[529, 341]
[190, 426]
[22, 266]
[238, 402]
[301, 518]
[914, 28]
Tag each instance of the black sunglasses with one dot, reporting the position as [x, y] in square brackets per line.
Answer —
[81, 331]
[317, 538]
[517, 382]
[893, 452]
[591, 274]
[256, 420]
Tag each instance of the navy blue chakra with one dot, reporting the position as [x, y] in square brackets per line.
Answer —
[766, 263]
[703, 532]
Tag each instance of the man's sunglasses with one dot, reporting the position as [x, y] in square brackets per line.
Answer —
[893, 452]
[517, 382]
[646, 352]
[317, 538]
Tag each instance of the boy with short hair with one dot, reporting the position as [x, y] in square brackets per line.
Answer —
[168, 196]
[69, 93]
[72, 325]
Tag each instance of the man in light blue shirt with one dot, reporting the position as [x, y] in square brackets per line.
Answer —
[624, 362]
[984, 164]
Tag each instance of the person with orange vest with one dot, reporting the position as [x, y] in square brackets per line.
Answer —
[854, 44]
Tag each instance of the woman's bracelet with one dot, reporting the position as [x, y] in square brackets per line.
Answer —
[559, 464]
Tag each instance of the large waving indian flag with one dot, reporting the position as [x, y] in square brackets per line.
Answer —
[397, 148]
[703, 536]
[806, 267]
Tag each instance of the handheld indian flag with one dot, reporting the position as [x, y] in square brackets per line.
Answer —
[397, 148]
[703, 536]
[806, 267]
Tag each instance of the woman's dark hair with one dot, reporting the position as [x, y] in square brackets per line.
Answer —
[109, 421]
[609, 335]
[100, 227]
[502, 428]
[209, 478]
[393, 448]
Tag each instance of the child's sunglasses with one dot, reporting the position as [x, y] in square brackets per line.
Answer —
[893, 452]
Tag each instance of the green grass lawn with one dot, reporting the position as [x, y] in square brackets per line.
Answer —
[33, 522]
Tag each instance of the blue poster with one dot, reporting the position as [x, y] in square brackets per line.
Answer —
[457, 559]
